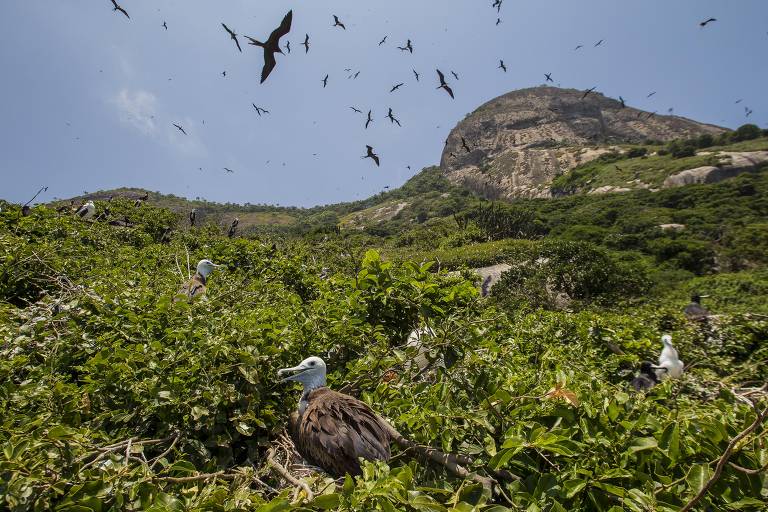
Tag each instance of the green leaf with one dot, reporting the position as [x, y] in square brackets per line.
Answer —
[670, 442]
[327, 501]
[640, 444]
[698, 476]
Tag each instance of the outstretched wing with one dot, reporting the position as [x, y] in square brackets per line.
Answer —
[449, 90]
[269, 64]
[441, 76]
[284, 28]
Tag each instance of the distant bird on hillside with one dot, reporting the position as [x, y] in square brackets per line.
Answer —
[599, 43]
[193, 217]
[396, 87]
[260, 110]
[119, 8]
[370, 154]
[337, 23]
[444, 85]
[548, 77]
[623, 103]
[415, 74]
[669, 362]
[356, 110]
[305, 44]
[588, 92]
[196, 287]
[233, 227]
[25, 210]
[86, 211]
[502, 66]
[178, 127]
[707, 22]
[392, 118]
[383, 41]
[272, 45]
[232, 36]
[369, 120]
[165, 25]
[325, 81]
[408, 47]
[694, 310]
[647, 377]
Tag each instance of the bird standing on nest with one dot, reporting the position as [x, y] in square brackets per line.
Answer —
[87, 211]
[196, 286]
[694, 310]
[669, 361]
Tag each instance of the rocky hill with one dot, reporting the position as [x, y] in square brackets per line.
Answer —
[516, 144]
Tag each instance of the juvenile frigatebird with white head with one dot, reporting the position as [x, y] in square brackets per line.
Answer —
[86, 211]
[196, 286]
[333, 430]
[669, 360]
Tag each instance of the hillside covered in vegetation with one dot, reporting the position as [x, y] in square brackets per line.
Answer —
[116, 395]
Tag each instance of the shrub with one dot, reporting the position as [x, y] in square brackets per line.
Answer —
[746, 132]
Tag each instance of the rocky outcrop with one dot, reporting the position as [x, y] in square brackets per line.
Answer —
[518, 143]
[731, 165]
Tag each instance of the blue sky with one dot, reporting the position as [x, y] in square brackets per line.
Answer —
[89, 97]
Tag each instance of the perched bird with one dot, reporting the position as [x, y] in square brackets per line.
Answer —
[165, 25]
[196, 286]
[646, 378]
[232, 36]
[694, 310]
[415, 74]
[272, 45]
[670, 365]
[119, 8]
[144, 197]
[369, 120]
[179, 128]
[623, 103]
[333, 430]
[444, 85]
[305, 44]
[260, 110]
[86, 211]
[25, 210]
[707, 22]
[372, 155]
[233, 227]
[502, 66]
[588, 92]
[192, 217]
[599, 43]
[337, 23]
[455, 75]
[548, 77]
[356, 110]
[383, 41]
[392, 118]
[408, 47]
[325, 81]
[396, 87]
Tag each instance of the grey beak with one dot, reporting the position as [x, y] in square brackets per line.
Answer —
[294, 370]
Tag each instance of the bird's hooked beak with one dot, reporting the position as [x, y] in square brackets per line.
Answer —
[296, 371]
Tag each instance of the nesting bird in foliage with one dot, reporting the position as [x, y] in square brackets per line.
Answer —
[233, 227]
[86, 211]
[196, 286]
[670, 365]
[647, 377]
[333, 430]
[192, 217]
[694, 310]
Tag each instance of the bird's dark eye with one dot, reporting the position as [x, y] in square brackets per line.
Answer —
[312, 363]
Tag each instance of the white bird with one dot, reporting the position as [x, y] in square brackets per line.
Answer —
[86, 211]
[669, 360]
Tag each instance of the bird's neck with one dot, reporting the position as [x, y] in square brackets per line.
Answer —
[309, 387]
[202, 277]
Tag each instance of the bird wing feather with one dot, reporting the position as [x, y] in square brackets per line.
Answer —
[269, 64]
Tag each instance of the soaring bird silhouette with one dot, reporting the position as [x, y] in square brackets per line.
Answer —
[288, 46]
[588, 92]
[325, 81]
[651, 94]
[408, 46]
[502, 66]
[337, 23]
[232, 36]
[165, 25]
[224, 74]
[272, 45]
[548, 77]
[356, 110]
[118, 7]
[747, 111]
[707, 22]
[455, 75]
[179, 128]
[260, 110]
[497, 5]
[738, 101]
[444, 85]
[599, 43]
[392, 118]
[465, 145]
[228, 170]
[396, 87]
[416, 74]
[383, 41]
[623, 104]
[578, 47]
[498, 20]
[370, 154]
[369, 120]
[305, 44]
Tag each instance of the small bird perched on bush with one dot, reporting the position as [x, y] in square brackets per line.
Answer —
[694, 310]
[196, 286]
[669, 360]
[86, 211]
[647, 377]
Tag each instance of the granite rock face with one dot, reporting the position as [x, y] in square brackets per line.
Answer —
[518, 143]
[731, 164]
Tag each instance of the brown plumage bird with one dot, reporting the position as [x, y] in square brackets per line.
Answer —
[233, 227]
[707, 22]
[232, 36]
[196, 287]
[370, 154]
[119, 8]
[337, 23]
[444, 85]
[333, 430]
[272, 45]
